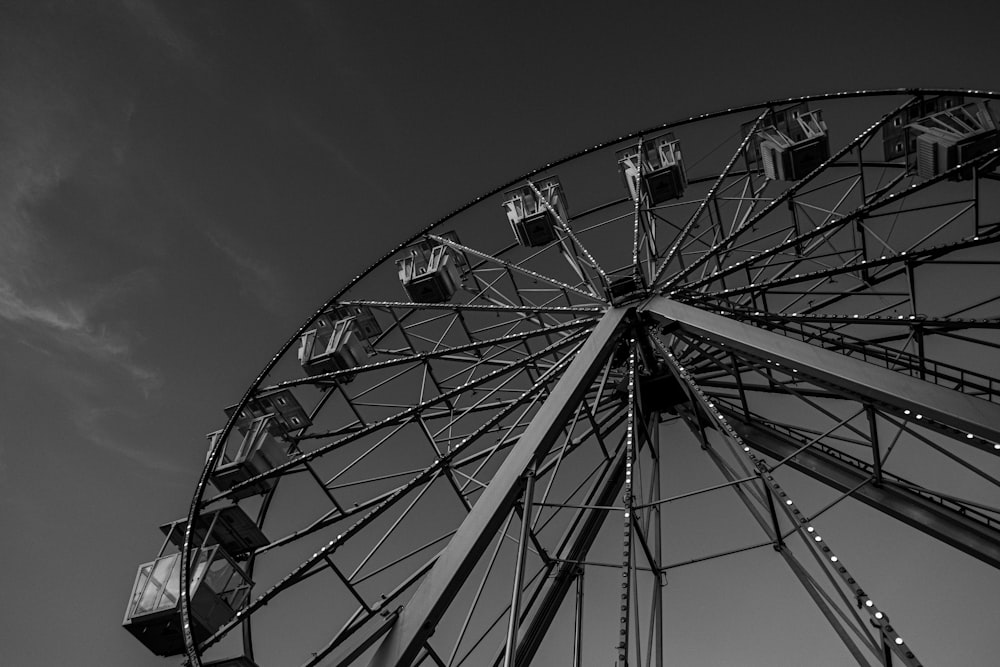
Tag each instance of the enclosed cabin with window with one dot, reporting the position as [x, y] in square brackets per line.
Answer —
[898, 140]
[338, 343]
[790, 143]
[364, 319]
[948, 138]
[219, 586]
[532, 211]
[265, 419]
[660, 169]
[432, 272]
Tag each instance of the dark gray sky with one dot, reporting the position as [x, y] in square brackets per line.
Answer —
[182, 183]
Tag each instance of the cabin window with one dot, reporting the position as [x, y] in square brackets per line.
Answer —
[158, 584]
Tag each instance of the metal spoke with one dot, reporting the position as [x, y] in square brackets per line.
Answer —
[831, 319]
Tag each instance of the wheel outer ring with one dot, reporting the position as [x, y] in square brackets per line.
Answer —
[194, 659]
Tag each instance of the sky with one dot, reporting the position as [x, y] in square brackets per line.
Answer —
[182, 184]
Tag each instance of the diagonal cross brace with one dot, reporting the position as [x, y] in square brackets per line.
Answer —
[419, 618]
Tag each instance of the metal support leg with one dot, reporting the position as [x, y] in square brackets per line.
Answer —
[573, 547]
[420, 616]
[739, 384]
[876, 453]
[779, 543]
[795, 222]
[522, 549]
[975, 196]
[628, 561]
[578, 622]
[656, 656]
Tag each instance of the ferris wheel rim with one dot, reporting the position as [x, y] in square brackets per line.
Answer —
[199, 495]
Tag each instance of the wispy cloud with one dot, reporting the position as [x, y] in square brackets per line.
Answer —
[316, 136]
[12, 307]
[51, 136]
[257, 280]
[29, 167]
[67, 325]
[149, 18]
[90, 423]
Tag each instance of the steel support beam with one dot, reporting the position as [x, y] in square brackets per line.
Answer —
[419, 618]
[522, 551]
[900, 392]
[948, 525]
[578, 622]
[573, 547]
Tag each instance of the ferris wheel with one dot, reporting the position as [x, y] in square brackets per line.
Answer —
[512, 438]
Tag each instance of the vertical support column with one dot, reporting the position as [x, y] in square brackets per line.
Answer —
[522, 549]
[861, 172]
[876, 451]
[860, 236]
[578, 621]
[636, 267]
[921, 355]
[739, 384]
[652, 250]
[975, 197]
[918, 331]
[718, 232]
[795, 222]
[779, 543]
[627, 497]
[859, 227]
[656, 655]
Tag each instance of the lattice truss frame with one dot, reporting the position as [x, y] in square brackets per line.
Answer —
[808, 327]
